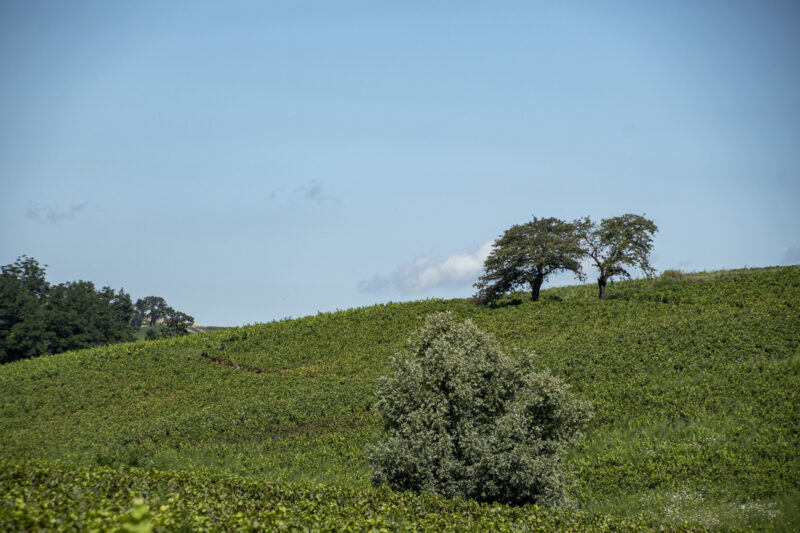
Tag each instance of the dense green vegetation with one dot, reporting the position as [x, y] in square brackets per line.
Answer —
[38, 318]
[695, 382]
[82, 499]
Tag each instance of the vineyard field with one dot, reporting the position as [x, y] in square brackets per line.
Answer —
[694, 378]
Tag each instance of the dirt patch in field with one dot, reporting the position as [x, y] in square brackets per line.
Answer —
[231, 364]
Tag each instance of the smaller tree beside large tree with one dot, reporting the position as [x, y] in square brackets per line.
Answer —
[176, 323]
[526, 254]
[155, 308]
[618, 243]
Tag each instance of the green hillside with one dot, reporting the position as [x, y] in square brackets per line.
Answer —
[695, 381]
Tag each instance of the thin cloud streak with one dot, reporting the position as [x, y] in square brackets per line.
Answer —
[312, 191]
[53, 215]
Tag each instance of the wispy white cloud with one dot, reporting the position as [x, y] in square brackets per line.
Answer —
[52, 214]
[457, 270]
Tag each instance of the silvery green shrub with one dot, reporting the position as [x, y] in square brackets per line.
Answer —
[463, 419]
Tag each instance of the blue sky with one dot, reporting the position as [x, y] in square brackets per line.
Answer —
[252, 161]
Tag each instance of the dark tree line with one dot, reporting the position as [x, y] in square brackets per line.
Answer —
[526, 254]
[37, 318]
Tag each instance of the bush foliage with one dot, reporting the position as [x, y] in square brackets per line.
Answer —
[463, 419]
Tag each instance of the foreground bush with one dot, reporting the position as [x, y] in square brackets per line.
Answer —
[465, 420]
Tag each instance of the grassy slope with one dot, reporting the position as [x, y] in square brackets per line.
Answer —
[695, 381]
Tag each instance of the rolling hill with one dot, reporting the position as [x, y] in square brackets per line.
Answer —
[695, 381]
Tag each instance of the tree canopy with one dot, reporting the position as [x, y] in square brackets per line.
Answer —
[151, 308]
[176, 323]
[155, 308]
[619, 243]
[526, 254]
[23, 320]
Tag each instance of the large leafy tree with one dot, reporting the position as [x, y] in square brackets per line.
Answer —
[617, 244]
[465, 420]
[151, 308]
[526, 254]
[23, 322]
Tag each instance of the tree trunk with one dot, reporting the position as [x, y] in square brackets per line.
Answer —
[536, 284]
[601, 282]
